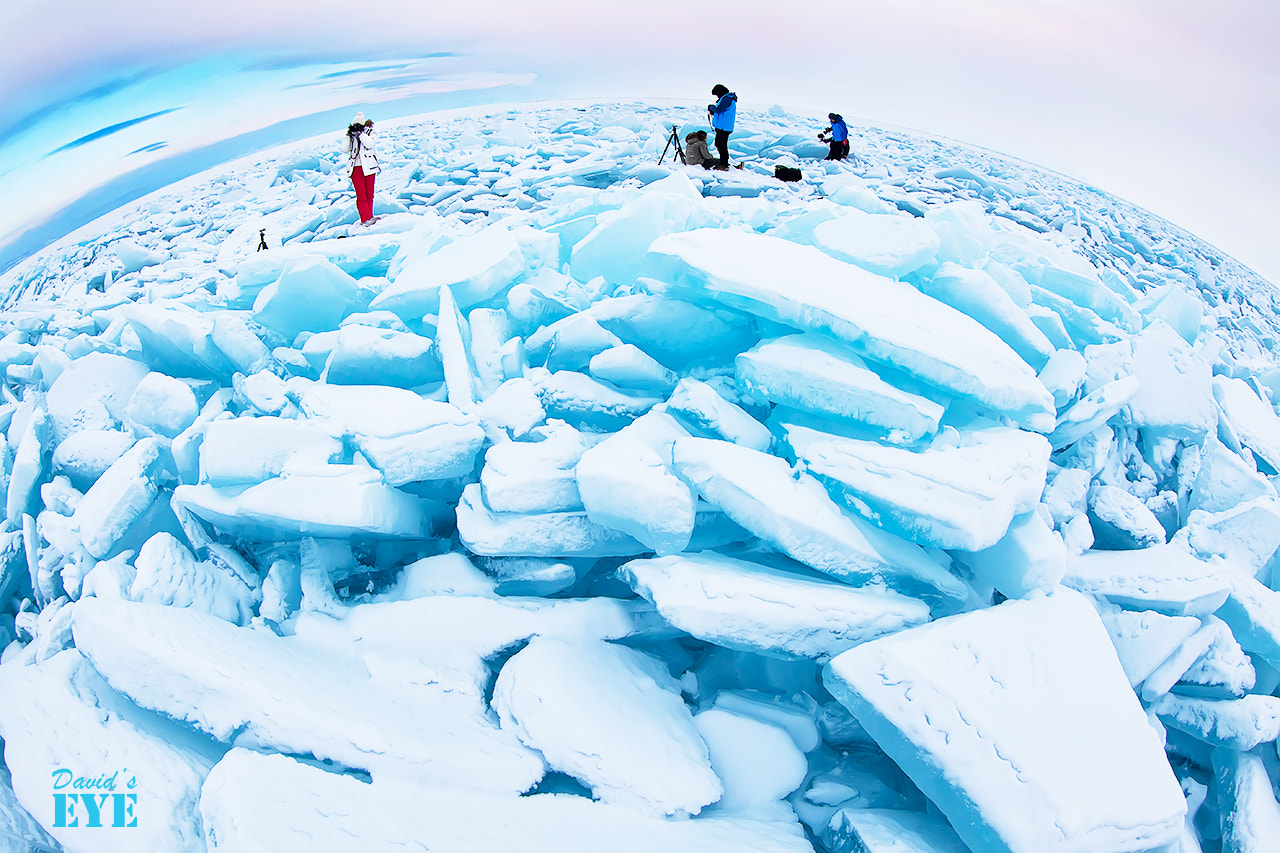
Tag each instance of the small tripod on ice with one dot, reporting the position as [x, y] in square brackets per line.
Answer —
[262, 239]
[673, 139]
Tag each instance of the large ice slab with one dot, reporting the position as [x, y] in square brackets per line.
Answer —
[977, 294]
[93, 393]
[1252, 419]
[340, 502]
[1163, 578]
[289, 695]
[245, 805]
[363, 355]
[243, 451]
[611, 717]
[963, 706]
[626, 484]
[119, 497]
[881, 319]
[311, 295]
[814, 374]
[961, 491]
[1175, 386]
[887, 244]
[1234, 723]
[177, 340]
[485, 531]
[673, 331]
[794, 514]
[761, 609]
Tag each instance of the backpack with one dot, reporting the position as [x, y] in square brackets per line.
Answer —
[786, 173]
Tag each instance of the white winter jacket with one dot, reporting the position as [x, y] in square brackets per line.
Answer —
[363, 152]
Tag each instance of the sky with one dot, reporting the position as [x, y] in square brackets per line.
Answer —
[1171, 105]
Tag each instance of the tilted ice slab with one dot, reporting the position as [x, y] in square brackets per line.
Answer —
[1235, 723]
[567, 534]
[1251, 418]
[474, 267]
[963, 706]
[331, 502]
[794, 514]
[959, 492]
[1144, 639]
[748, 606]
[1163, 578]
[611, 717]
[244, 804]
[626, 484]
[62, 714]
[1250, 815]
[814, 374]
[881, 319]
[980, 296]
[249, 687]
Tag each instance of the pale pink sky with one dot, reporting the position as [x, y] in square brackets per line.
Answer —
[1173, 105]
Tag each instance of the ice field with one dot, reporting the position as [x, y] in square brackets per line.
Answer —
[928, 504]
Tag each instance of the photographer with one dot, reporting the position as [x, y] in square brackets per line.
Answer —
[838, 136]
[722, 114]
[363, 157]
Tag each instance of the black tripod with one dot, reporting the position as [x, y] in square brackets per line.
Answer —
[262, 239]
[672, 139]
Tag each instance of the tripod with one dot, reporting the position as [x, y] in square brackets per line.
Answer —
[262, 239]
[672, 139]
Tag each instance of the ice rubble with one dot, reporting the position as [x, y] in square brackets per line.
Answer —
[530, 516]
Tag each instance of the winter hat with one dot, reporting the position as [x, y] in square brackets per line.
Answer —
[359, 119]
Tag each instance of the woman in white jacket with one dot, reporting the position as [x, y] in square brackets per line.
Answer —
[363, 156]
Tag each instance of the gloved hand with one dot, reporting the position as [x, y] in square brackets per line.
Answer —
[711, 108]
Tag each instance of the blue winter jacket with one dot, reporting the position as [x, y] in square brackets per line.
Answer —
[839, 131]
[724, 112]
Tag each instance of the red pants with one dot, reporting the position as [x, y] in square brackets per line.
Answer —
[364, 192]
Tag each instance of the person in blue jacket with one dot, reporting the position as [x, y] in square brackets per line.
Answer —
[722, 114]
[838, 136]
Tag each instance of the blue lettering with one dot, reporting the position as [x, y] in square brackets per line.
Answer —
[94, 807]
[63, 808]
[124, 810]
[61, 778]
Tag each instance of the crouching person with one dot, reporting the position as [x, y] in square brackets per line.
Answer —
[696, 152]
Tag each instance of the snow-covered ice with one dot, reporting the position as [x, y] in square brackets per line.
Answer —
[528, 517]
[960, 705]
